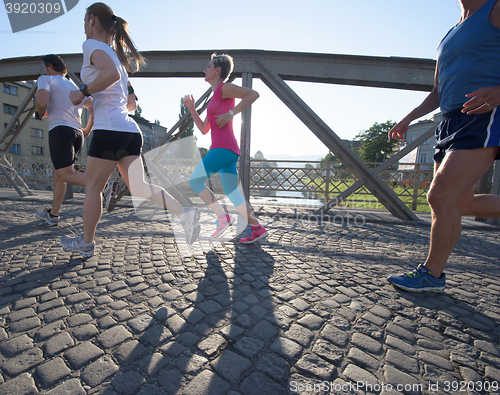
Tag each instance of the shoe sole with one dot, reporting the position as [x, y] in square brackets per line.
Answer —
[428, 289]
[230, 223]
[262, 236]
[84, 254]
[46, 220]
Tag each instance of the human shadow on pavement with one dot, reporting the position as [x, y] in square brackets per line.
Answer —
[463, 326]
[463, 310]
[221, 335]
[25, 280]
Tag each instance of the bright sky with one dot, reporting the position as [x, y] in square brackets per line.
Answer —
[401, 28]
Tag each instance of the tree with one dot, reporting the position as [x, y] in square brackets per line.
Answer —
[375, 145]
[187, 150]
[189, 129]
[138, 111]
[331, 158]
[203, 151]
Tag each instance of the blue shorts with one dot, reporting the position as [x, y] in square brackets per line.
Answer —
[459, 131]
[222, 161]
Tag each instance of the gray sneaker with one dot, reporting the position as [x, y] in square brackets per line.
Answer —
[45, 215]
[109, 193]
[76, 244]
[189, 221]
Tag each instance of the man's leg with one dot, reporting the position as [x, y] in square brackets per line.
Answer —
[485, 206]
[58, 194]
[453, 181]
[61, 177]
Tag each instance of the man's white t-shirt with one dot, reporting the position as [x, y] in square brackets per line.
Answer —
[110, 105]
[61, 112]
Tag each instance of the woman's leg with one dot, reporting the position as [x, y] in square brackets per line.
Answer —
[211, 163]
[132, 170]
[97, 172]
[230, 182]
[229, 178]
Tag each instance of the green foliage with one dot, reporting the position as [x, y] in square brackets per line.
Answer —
[138, 111]
[364, 199]
[331, 158]
[203, 151]
[375, 145]
[189, 130]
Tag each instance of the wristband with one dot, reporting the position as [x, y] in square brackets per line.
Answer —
[231, 113]
[131, 91]
[83, 89]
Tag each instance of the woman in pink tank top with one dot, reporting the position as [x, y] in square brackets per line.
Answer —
[224, 152]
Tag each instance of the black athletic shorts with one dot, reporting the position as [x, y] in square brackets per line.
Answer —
[111, 145]
[459, 131]
[65, 143]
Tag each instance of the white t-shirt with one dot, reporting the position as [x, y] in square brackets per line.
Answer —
[110, 105]
[61, 112]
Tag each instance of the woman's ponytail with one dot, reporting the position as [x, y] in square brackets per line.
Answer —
[120, 38]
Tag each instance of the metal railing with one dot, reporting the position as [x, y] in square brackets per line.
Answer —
[268, 178]
[272, 178]
[37, 172]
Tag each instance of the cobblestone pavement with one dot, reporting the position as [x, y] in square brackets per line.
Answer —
[309, 311]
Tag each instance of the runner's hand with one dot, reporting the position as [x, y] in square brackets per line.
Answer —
[188, 101]
[223, 119]
[483, 100]
[399, 130]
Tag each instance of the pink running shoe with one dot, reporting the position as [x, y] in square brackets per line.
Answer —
[254, 236]
[222, 225]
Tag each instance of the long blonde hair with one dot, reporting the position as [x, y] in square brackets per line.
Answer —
[121, 42]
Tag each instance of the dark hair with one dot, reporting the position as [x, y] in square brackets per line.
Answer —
[56, 62]
[122, 43]
[225, 62]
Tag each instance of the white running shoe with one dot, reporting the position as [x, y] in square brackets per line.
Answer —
[45, 215]
[76, 244]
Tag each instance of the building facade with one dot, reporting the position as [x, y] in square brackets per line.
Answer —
[424, 153]
[34, 138]
[152, 133]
